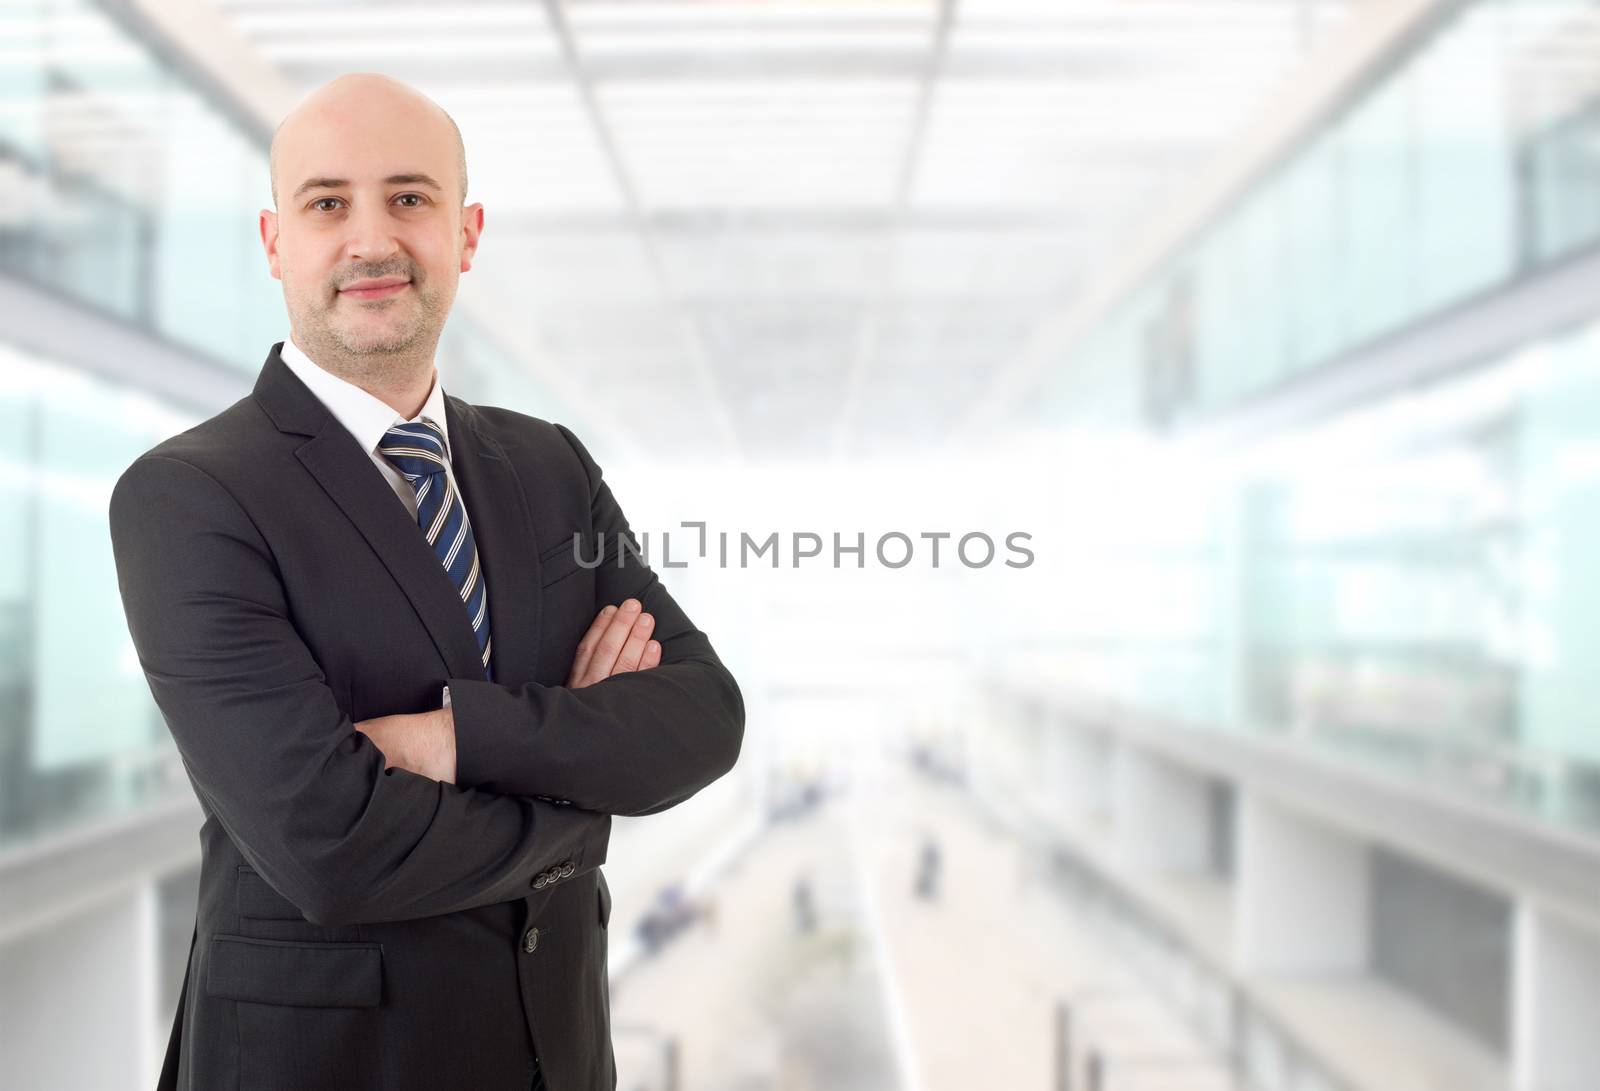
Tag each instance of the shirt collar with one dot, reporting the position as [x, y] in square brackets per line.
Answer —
[366, 416]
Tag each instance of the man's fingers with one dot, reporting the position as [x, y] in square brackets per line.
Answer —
[617, 640]
[603, 663]
[586, 646]
[633, 648]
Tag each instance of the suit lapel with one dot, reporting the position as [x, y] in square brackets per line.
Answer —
[501, 525]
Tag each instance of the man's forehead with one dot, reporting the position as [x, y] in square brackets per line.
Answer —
[330, 159]
[366, 131]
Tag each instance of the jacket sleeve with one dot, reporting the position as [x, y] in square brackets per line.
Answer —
[304, 796]
[632, 744]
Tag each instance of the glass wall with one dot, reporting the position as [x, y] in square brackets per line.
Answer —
[71, 752]
[122, 187]
[1411, 585]
[1470, 162]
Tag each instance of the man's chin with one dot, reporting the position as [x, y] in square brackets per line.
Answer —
[374, 340]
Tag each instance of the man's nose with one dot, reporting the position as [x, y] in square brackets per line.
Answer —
[371, 237]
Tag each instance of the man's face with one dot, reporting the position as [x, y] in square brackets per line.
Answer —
[369, 237]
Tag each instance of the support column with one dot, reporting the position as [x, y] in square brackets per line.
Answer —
[1555, 1002]
[1160, 813]
[84, 979]
[1301, 900]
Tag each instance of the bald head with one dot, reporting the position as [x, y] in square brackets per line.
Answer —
[361, 106]
[372, 230]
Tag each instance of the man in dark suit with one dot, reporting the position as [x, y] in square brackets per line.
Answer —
[407, 705]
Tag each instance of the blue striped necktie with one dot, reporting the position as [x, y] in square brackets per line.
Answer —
[417, 450]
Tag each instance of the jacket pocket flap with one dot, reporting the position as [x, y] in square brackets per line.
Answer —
[307, 975]
[559, 565]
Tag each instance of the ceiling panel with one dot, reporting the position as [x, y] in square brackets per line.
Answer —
[795, 229]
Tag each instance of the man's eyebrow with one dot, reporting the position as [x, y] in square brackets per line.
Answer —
[417, 179]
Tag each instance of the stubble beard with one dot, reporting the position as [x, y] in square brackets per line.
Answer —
[386, 358]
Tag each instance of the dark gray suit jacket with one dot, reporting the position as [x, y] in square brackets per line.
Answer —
[363, 928]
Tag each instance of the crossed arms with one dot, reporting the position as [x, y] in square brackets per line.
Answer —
[618, 641]
[311, 802]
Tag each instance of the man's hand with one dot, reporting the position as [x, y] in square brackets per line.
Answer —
[422, 742]
[617, 641]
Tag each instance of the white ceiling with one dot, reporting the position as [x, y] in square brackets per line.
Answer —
[803, 230]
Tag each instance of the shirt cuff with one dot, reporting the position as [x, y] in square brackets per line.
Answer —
[445, 698]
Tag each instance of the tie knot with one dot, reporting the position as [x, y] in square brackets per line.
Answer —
[415, 447]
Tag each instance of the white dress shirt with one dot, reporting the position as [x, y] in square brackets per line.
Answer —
[368, 417]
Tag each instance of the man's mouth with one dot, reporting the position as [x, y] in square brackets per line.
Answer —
[376, 288]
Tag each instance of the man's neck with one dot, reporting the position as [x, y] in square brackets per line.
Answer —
[400, 381]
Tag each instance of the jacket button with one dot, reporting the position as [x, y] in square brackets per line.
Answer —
[530, 940]
[541, 880]
[567, 869]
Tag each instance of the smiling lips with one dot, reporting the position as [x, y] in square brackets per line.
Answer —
[377, 288]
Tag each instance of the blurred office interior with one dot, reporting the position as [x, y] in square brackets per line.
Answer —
[1273, 324]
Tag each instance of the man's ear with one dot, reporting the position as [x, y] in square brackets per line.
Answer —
[471, 229]
[269, 240]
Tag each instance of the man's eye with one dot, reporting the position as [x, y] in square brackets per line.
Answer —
[323, 201]
[411, 197]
